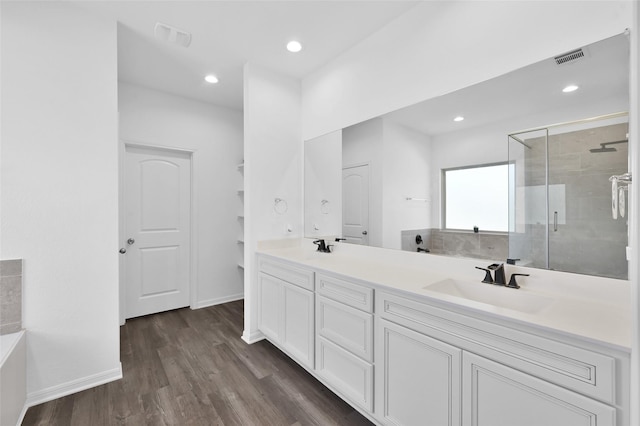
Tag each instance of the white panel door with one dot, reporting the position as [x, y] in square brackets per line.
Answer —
[355, 204]
[417, 378]
[496, 395]
[157, 188]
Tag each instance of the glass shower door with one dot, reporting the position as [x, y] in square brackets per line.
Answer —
[584, 236]
[563, 212]
[528, 201]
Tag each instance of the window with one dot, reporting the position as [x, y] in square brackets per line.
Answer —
[476, 196]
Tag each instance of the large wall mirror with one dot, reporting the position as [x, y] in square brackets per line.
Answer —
[516, 167]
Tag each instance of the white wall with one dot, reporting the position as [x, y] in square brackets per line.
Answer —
[323, 181]
[60, 191]
[439, 47]
[273, 169]
[362, 143]
[407, 155]
[214, 135]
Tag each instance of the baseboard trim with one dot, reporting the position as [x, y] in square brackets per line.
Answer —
[64, 389]
[22, 414]
[218, 301]
[252, 338]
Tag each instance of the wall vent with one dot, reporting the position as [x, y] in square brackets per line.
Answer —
[572, 56]
[171, 34]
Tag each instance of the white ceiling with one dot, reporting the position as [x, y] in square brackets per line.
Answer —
[602, 74]
[228, 34]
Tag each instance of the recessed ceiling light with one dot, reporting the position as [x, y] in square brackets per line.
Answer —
[570, 88]
[294, 46]
[211, 79]
[458, 118]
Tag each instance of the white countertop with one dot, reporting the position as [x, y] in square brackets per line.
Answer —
[590, 308]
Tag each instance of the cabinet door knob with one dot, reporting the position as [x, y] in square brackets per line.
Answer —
[123, 250]
[364, 232]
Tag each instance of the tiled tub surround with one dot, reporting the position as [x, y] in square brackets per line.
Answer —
[13, 358]
[10, 296]
[481, 245]
[408, 239]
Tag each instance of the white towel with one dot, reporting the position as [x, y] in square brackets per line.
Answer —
[614, 198]
[622, 202]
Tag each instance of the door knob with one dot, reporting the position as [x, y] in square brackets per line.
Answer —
[364, 232]
[130, 241]
[123, 250]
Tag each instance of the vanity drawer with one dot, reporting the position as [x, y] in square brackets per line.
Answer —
[348, 327]
[355, 295]
[588, 372]
[292, 274]
[345, 373]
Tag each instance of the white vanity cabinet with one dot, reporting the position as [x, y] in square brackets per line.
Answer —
[344, 333]
[436, 364]
[286, 308]
[404, 359]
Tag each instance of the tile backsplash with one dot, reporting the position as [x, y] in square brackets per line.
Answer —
[10, 296]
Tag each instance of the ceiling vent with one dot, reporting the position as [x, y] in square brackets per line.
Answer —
[572, 56]
[171, 34]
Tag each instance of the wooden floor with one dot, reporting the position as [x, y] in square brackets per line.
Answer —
[190, 367]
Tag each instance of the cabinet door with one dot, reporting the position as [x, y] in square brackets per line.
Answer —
[496, 395]
[348, 327]
[270, 306]
[346, 373]
[298, 324]
[417, 378]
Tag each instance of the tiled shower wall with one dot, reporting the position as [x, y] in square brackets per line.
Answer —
[459, 243]
[590, 241]
[10, 296]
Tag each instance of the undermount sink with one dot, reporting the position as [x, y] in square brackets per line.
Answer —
[490, 294]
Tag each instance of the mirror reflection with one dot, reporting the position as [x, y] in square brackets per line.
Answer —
[567, 214]
[457, 175]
